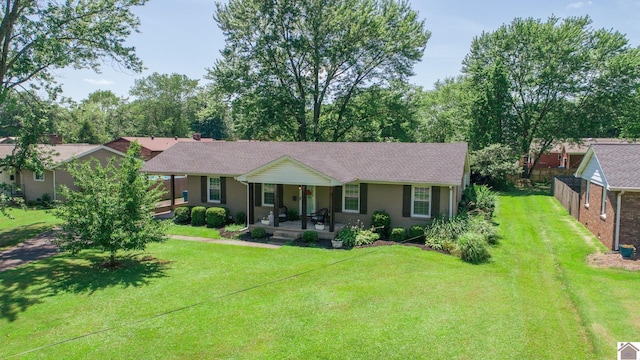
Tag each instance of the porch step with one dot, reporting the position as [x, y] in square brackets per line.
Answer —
[279, 240]
[288, 235]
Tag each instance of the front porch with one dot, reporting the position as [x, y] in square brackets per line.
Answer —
[292, 230]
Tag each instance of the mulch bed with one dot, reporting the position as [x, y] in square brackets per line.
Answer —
[614, 260]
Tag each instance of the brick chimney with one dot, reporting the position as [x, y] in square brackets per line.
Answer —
[197, 136]
[55, 139]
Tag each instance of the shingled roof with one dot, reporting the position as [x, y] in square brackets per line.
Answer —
[620, 164]
[442, 163]
[59, 153]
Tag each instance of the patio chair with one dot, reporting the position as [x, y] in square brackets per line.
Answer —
[282, 213]
[321, 215]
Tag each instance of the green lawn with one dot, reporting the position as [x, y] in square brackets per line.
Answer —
[536, 299]
[24, 225]
[188, 230]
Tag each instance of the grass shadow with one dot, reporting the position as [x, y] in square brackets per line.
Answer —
[29, 285]
[15, 236]
[519, 192]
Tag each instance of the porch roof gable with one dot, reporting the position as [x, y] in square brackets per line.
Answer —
[286, 170]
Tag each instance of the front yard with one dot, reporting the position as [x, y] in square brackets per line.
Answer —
[537, 298]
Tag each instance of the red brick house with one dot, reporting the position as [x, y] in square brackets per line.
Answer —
[152, 146]
[610, 193]
[567, 154]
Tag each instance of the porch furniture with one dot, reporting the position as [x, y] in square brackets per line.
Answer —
[282, 213]
[321, 215]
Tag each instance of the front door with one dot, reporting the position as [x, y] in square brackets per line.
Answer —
[311, 200]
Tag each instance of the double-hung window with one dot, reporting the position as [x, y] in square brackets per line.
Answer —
[351, 198]
[214, 189]
[38, 176]
[421, 201]
[268, 194]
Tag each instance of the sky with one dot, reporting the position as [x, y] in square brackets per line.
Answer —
[180, 36]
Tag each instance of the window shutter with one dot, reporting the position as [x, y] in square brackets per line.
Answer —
[280, 195]
[406, 201]
[223, 190]
[337, 199]
[363, 198]
[435, 200]
[258, 196]
[203, 189]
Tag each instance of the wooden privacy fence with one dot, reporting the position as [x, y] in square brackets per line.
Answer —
[567, 190]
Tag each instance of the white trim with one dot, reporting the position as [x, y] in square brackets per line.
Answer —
[209, 189]
[586, 194]
[43, 176]
[413, 193]
[262, 188]
[344, 196]
[603, 206]
[54, 184]
[450, 202]
[616, 243]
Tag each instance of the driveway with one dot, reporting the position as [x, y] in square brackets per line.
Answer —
[37, 248]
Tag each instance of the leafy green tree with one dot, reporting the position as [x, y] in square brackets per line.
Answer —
[112, 208]
[213, 119]
[444, 112]
[544, 82]
[166, 104]
[285, 61]
[495, 163]
[87, 134]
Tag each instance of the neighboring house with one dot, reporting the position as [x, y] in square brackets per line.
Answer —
[566, 155]
[152, 146]
[8, 140]
[610, 193]
[34, 185]
[413, 182]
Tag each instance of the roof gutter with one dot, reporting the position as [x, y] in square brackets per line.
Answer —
[616, 243]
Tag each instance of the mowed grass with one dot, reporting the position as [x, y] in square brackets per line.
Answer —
[24, 224]
[188, 230]
[537, 298]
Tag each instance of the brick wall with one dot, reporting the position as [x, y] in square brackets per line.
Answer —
[122, 145]
[630, 219]
[603, 228]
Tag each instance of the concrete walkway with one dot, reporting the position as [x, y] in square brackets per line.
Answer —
[42, 247]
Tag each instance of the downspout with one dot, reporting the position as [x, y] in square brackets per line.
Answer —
[247, 212]
[617, 239]
[450, 202]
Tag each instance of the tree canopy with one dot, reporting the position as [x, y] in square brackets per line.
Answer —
[536, 82]
[285, 61]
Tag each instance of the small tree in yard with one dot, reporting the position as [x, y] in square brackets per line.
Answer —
[496, 163]
[112, 209]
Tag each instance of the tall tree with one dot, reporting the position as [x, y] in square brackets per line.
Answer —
[538, 82]
[444, 112]
[285, 60]
[167, 104]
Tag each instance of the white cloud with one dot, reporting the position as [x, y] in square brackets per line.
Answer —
[578, 5]
[99, 81]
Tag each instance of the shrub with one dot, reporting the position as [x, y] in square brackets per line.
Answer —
[46, 200]
[198, 215]
[348, 235]
[478, 198]
[292, 214]
[182, 215]
[310, 236]
[444, 230]
[416, 232]
[258, 233]
[480, 225]
[365, 237]
[228, 219]
[398, 234]
[473, 248]
[381, 223]
[241, 217]
[216, 217]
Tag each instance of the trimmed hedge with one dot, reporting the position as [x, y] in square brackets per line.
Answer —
[198, 214]
[310, 236]
[417, 231]
[182, 215]
[241, 217]
[381, 223]
[258, 233]
[216, 217]
[398, 234]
